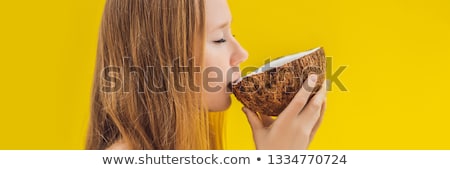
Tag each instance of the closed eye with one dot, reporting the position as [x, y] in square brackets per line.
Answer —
[221, 41]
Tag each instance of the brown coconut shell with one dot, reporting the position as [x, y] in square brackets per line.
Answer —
[271, 90]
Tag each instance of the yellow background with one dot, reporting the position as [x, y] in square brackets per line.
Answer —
[397, 55]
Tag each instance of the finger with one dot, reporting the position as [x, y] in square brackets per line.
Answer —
[319, 122]
[252, 117]
[311, 114]
[300, 99]
[267, 120]
[322, 112]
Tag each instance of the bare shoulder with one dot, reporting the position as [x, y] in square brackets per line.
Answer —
[119, 145]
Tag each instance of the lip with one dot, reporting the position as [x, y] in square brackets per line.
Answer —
[230, 84]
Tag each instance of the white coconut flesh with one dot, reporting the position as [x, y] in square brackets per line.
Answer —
[278, 63]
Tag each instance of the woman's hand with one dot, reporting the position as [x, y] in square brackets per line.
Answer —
[295, 126]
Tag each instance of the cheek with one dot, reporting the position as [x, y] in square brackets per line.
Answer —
[216, 63]
[216, 56]
[214, 87]
[214, 78]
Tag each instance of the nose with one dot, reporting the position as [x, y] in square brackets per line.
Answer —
[239, 54]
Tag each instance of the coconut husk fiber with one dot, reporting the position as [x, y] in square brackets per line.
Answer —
[272, 87]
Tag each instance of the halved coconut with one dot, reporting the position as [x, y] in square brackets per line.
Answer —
[269, 89]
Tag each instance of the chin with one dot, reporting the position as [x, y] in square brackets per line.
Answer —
[219, 105]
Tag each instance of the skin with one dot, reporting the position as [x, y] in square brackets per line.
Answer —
[296, 126]
[222, 52]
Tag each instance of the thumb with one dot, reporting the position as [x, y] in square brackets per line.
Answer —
[253, 119]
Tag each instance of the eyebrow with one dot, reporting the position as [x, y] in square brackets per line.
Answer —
[223, 25]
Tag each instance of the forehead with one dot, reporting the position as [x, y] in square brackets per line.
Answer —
[217, 13]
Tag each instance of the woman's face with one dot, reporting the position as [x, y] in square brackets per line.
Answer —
[223, 54]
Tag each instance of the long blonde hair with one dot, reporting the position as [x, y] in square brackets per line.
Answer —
[151, 34]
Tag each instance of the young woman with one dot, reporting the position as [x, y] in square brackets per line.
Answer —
[153, 88]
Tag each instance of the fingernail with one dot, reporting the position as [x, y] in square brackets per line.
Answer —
[313, 78]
